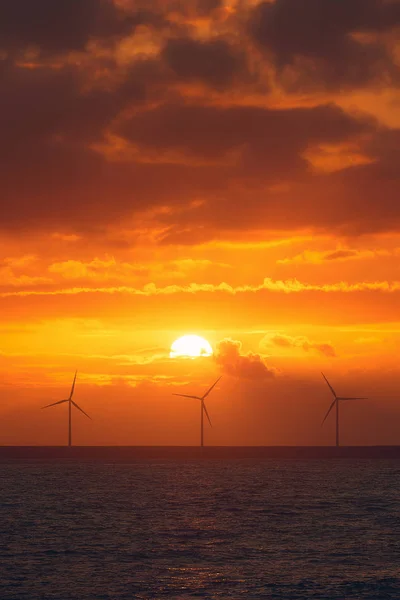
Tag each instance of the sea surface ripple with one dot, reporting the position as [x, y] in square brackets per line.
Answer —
[200, 529]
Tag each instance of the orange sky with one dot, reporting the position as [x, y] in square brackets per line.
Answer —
[223, 168]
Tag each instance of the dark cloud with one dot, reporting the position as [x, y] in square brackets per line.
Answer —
[61, 103]
[214, 62]
[350, 201]
[244, 366]
[50, 171]
[273, 137]
[341, 254]
[49, 166]
[62, 25]
[324, 349]
[57, 106]
[362, 198]
[315, 39]
[286, 341]
[144, 81]
[182, 8]
[205, 7]
[248, 165]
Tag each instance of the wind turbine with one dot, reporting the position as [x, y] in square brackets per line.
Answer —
[336, 401]
[203, 409]
[70, 403]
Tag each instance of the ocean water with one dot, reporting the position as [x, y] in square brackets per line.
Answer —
[207, 529]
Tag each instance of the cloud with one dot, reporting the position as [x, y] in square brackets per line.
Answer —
[62, 26]
[318, 257]
[110, 270]
[19, 261]
[213, 62]
[261, 135]
[341, 255]
[286, 341]
[9, 278]
[114, 127]
[205, 7]
[329, 44]
[288, 286]
[368, 340]
[244, 366]
[11, 275]
[66, 237]
[53, 172]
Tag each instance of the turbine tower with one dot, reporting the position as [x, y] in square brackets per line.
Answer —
[70, 403]
[335, 402]
[203, 409]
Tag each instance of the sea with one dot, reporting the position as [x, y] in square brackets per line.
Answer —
[232, 529]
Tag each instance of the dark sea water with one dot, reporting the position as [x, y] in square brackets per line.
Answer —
[206, 529]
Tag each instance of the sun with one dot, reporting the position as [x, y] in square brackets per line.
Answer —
[191, 346]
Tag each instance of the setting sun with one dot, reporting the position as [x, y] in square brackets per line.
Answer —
[190, 346]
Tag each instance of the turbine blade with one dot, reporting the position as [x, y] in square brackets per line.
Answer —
[73, 385]
[330, 408]
[330, 387]
[81, 409]
[186, 396]
[54, 403]
[213, 386]
[206, 411]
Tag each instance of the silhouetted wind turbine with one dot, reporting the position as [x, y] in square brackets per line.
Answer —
[336, 402]
[70, 403]
[203, 409]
